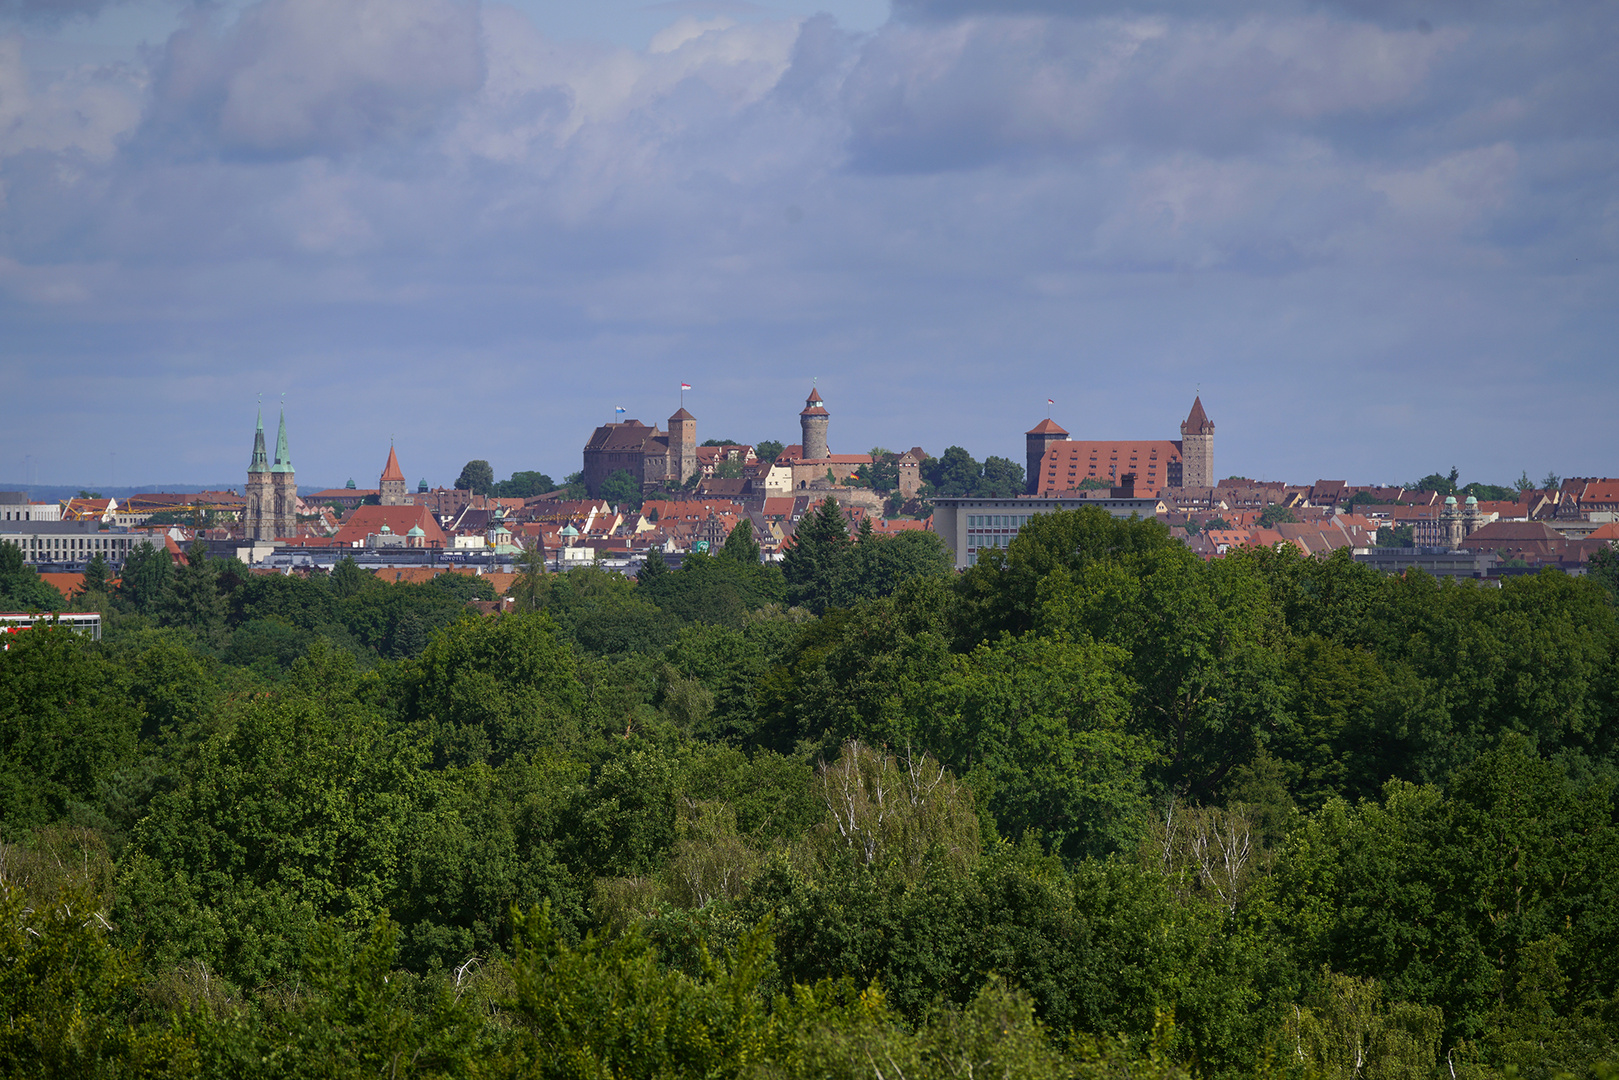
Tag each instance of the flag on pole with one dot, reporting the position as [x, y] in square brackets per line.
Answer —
[619, 409]
[685, 386]
[1050, 402]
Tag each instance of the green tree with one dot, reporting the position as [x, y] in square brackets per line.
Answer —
[1276, 514]
[816, 563]
[1552, 482]
[145, 577]
[1216, 522]
[21, 588]
[879, 565]
[740, 547]
[97, 580]
[192, 600]
[1002, 478]
[67, 725]
[1397, 536]
[953, 473]
[621, 489]
[768, 450]
[347, 578]
[1523, 483]
[524, 485]
[477, 476]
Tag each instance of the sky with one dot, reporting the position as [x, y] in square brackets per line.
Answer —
[1379, 237]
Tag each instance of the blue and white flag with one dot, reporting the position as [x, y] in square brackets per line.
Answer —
[619, 409]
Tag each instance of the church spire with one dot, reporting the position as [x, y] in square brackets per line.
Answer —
[260, 462]
[283, 457]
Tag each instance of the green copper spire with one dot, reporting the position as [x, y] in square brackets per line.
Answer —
[283, 458]
[260, 462]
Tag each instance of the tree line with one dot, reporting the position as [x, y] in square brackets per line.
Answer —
[1094, 807]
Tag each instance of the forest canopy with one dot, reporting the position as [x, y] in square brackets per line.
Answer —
[1095, 807]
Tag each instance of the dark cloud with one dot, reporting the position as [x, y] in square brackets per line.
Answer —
[297, 77]
[1303, 207]
[52, 12]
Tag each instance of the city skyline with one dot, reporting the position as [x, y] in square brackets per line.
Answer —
[1378, 242]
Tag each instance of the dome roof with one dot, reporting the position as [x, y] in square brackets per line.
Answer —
[415, 530]
[385, 528]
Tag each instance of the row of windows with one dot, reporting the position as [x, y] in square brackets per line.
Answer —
[35, 547]
[997, 521]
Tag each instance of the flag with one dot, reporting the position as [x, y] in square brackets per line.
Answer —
[619, 409]
[685, 386]
[1050, 402]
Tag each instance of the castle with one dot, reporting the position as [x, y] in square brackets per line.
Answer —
[658, 459]
[1057, 464]
[653, 457]
[272, 488]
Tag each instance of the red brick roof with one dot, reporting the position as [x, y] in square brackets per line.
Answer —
[367, 520]
[1048, 426]
[1197, 421]
[1069, 462]
[391, 470]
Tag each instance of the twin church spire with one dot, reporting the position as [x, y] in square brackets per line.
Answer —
[272, 487]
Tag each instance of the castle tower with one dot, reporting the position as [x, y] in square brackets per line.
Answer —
[258, 520]
[391, 487]
[1197, 448]
[682, 446]
[813, 421]
[1471, 518]
[1036, 440]
[283, 485]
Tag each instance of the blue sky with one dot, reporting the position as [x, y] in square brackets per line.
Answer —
[1379, 236]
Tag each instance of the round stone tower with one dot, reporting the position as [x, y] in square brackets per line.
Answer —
[813, 421]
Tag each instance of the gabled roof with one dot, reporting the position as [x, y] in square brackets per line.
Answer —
[368, 520]
[1197, 421]
[1069, 462]
[391, 471]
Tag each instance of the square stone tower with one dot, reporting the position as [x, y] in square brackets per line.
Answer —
[1197, 447]
[682, 446]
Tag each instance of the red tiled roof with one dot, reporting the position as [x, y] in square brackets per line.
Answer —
[367, 520]
[1048, 426]
[1069, 462]
[682, 415]
[391, 470]
[1197, 421]
[66, 584]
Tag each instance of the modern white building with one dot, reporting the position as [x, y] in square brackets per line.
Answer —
[14, 506]
[971, 526]
[67, 541]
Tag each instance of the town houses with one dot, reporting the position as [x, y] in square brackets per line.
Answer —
[644, 488]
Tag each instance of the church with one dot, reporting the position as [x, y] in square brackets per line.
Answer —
[272, 488]
[1058, 464]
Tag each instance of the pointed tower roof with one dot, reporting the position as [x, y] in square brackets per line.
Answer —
[1047, 426]
[261, 460]
[283, 457]
[391, 471]
[681, 415]
[813, 405]
[814, 398]
[1197, 421]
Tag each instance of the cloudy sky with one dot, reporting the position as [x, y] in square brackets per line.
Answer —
[1379, 236]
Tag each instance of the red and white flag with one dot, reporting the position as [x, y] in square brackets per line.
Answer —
[685, 386]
